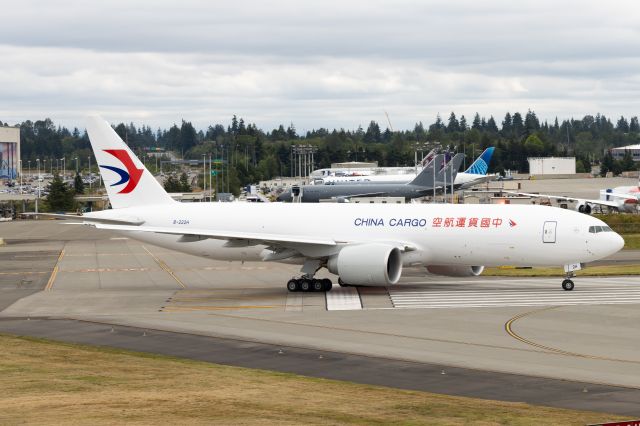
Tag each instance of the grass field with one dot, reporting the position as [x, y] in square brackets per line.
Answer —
[595, 271]
[45, 382]
[631, 242]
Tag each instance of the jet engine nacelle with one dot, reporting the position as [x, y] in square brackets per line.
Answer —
[375, 264]
[455, 271]
[583, 207]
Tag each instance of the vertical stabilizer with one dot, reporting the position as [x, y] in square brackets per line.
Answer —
[451, 168]
[425, 177]
[481, 165]
[127, 180]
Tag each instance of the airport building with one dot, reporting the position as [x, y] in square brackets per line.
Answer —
[552, 165]
[9, 152]
[618, 153]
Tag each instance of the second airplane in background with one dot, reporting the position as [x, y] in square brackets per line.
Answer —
[422, 185]
[475, 174]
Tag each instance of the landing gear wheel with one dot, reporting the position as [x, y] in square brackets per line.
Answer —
[567, 285]
[317, 285]
[327, 284]
[305, 284]
[292, 285]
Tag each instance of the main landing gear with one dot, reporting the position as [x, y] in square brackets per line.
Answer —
[306, 282]
[309, 284]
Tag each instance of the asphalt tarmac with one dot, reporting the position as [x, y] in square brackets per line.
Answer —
[507, 339]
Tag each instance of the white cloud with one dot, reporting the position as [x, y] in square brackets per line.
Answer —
[329, 63]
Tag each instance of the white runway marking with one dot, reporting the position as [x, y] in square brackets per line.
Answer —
[343, 299]
[595, 291]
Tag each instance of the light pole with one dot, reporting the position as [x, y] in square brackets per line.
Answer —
[38, 196]
[29, 168]
[20, 165]
[76, 158]
[44, 168]
[89, 157]
[64, 167]
[204, 176]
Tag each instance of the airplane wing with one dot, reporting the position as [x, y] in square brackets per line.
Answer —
[565, 198]
[364, 194]
[224, 235]
[282, 246]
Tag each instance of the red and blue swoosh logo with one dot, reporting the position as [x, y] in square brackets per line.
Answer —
[131, 176]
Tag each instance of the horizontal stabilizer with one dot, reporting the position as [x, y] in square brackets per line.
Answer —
[89, 219]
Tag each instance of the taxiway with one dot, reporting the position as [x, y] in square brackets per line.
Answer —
[504, 338]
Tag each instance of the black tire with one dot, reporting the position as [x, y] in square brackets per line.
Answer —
[305, 284]
[317, 285]
[327, 284]
[293, 285]
[567, 285]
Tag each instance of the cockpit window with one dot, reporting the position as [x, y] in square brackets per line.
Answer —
[596, 229]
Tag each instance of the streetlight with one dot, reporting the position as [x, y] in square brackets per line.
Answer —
[204, 176]
[38, 196]
[76, 158]
[20, 166]
[89, 157]
[29, 168]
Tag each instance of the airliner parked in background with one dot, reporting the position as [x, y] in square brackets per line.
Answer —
[624, 199]
[431, 179]
[365, 244]
[474, 175]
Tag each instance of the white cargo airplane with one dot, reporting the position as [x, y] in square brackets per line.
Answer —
[624, 199]
[365, 244]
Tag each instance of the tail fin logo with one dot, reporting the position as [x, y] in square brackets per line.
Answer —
[131, 176]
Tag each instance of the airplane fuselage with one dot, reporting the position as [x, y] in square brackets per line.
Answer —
[438, 234]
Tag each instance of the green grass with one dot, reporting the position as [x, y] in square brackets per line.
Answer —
[595, 271]
[622, 223]
[631, 242]
[45, 382]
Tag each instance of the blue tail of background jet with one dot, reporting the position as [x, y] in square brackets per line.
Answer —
[481, 165]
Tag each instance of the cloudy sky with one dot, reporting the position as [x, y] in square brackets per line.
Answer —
[316, 63]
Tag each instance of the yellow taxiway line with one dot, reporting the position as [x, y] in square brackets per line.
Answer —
[508, 326]
[165, 267]
[217, 308]
[52, 278]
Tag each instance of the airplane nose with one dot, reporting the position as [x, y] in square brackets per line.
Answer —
[618, 242]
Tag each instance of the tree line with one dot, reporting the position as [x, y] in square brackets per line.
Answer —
[247, 154]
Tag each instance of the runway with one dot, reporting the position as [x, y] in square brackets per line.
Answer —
[492, 331]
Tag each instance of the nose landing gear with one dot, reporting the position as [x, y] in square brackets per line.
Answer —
[570, 272]
[567, 284]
